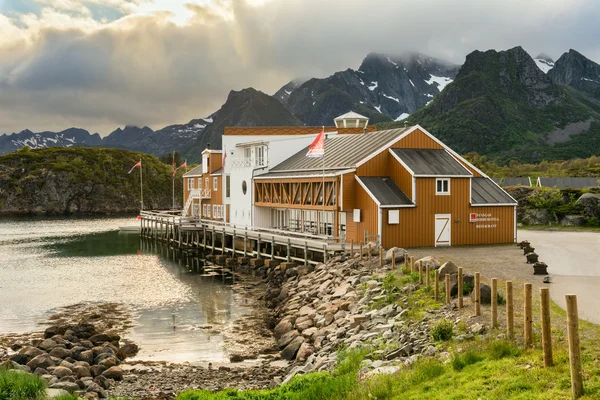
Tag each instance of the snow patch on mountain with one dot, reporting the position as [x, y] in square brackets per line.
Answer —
[544, 65]
[402, 116]
[391, 98]
[441, 81]
[373, 86]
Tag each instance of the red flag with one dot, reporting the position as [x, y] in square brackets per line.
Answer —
[184, 165]
[138, 164]
[224, 157]
[317, 147]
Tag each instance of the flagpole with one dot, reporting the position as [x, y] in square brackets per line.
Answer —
[141, 187]
[324, 229]
[173, 177]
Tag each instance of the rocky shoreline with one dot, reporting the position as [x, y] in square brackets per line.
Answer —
[300, 318]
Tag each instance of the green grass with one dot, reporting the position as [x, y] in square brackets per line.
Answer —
[16, 385]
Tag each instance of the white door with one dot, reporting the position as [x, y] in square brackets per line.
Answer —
[442, 229]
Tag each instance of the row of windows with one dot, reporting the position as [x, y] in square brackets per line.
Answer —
[215, 184]
[218, 211]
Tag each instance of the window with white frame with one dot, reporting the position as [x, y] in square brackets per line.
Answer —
[206, 185]
[227, 186]
[442, 186]
[204, 210]
[190, 183]
[199, 183]
[393, 217]
[208, 210]
[260, 155]
[215, 184]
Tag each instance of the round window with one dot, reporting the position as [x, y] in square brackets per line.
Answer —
[244, 187]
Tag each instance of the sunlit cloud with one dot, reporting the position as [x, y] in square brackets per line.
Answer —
[98, 64]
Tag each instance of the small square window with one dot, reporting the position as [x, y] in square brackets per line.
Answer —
[356, 215]
[442, 186]
[393, 217]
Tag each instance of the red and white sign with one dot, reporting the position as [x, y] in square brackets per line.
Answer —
[472, 217]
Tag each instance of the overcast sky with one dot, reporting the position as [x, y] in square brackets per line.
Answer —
[100, 64]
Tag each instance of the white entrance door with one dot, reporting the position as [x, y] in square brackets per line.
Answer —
[442, 229]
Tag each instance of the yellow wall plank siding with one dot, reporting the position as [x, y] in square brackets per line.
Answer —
[417, 224]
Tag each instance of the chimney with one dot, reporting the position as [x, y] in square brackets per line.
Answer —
[208, 146]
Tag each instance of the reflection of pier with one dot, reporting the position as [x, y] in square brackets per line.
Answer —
[233, 242]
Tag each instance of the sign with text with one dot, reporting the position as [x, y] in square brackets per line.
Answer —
[483, 221]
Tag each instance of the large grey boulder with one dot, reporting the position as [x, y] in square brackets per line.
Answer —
[432, 261]
[591, 204]
[536, 217]
[398, 254]
[573, 220]
[42, 361]
[449, 268]
[283, 327]
[289, 353]
[115, 373]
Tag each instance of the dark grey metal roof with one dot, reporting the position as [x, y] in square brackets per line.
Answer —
[385, 190]
[341, 151]
[515, 181]
[298, 174]
[217, 172]
[570, 183]
[432, 162]
[194, 172]
[484, 191]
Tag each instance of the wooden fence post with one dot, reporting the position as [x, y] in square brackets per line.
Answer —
[510, 317]
[370, 255]
[352, 248]
[421, 272]
[428, 275]
[546, 327]
[393, 259]
[528, 323]
[477, 295]
[412, 264]
[494, 302]
[406, 259]
[361, 251]
[574, 347]
[436, 293]
[381, 256]
[447, 288]
[460, 287]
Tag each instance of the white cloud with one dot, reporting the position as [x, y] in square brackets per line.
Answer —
[168, 61]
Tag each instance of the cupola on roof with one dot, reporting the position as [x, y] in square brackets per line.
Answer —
[351, 120]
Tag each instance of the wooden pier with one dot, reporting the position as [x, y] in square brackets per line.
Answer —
[258, 246]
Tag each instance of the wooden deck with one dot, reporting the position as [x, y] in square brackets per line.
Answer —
[227, 239]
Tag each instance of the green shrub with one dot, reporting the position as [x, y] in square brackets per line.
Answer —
[442, 330]
[468, 287]
[460, 361]
[502, 349]
[17, 385]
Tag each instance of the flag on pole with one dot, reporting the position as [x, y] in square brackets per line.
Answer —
[184, 165]
[317, 147]
[224, 157]
[138, 164]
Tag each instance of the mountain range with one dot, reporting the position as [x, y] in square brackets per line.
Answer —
[504, 104]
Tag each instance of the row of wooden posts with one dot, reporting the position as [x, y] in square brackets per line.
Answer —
[572, 315]
[571, 300]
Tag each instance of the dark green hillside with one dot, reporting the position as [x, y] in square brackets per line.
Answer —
[503, 106]
[87, 180]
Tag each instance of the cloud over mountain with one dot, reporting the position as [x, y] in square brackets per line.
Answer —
[101, 63]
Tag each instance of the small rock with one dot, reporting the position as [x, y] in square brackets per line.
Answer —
[41, 361]
[283, 327]
[61, 372]
[289, 352]
[236, 358]
[70, 387]
[115, 373]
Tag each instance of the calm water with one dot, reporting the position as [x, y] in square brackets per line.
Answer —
[46, 264]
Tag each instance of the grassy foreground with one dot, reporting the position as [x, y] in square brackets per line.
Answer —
[484, 368]
[15, 385]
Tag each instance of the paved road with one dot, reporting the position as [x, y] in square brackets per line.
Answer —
[573, 260]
